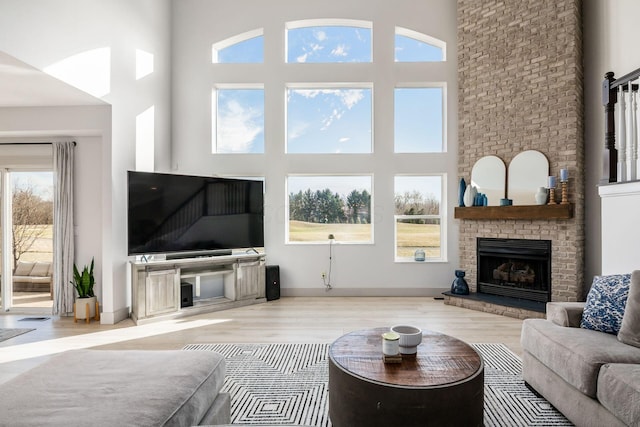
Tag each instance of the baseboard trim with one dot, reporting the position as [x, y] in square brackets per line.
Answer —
[111, 318]
[362, 292]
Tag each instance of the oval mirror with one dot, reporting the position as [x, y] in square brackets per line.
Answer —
[528, 171]
[489, 177]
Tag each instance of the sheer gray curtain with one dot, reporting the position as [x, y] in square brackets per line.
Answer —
[63, 253]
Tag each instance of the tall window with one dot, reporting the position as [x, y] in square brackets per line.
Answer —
[319, 95]
[239, 120]
[418, 117]
[418, 218]
[323, 205]
[329, 120]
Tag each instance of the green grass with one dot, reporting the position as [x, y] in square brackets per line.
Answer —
[410, 236]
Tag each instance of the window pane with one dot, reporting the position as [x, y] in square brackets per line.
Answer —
[412, 50]
[240, 121]
[329, 44]
[329, 120]
[417, 210]
[419, 120]
[247, 51]
[323, 205]
[413, 234]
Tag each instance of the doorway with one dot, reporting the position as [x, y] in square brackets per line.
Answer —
[26, 234]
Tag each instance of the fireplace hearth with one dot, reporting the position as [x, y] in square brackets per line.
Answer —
[517, 268]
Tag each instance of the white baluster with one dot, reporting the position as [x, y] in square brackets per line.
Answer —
[622, 138]
[633, 143]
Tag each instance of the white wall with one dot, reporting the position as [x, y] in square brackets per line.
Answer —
[90, 127]
[610, 34]
[45, 32]
[357, 269]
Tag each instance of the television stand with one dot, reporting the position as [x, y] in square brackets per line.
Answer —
[156, 285]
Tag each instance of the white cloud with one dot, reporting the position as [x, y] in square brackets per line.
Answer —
[297, 130]
[340, 50]
[344, 139]
[302, 58]
[238, 128]
[320, 35]
[347, 99]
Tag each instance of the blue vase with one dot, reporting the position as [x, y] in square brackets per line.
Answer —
[459, 285]
[461, 190]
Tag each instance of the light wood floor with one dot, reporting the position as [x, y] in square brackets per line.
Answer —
[287, 320]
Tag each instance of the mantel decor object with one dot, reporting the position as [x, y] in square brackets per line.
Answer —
[552, 190]
[461, 190]
[564, 181]
[459, 285]
[541, 196]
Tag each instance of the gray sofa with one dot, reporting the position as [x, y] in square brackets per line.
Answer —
[119, 388]
[33, 276]
[591, 377]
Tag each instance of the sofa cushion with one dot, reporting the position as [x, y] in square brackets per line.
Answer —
[23, 268]
[605, 304]
[115, 387]
[630, 329]
[619, 391]
[40, 269]
[575, 354]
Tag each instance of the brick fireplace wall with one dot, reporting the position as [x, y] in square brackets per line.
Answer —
[520, 88]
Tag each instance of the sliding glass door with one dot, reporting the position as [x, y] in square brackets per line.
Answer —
[27, 240]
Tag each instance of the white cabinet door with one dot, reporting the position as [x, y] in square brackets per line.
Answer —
[162, 291]
[250, 280]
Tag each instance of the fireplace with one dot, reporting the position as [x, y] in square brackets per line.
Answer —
[518, 268]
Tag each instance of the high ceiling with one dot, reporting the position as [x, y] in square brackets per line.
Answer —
[22, 85]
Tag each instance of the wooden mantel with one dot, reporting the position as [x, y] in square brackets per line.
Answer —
[557, 211]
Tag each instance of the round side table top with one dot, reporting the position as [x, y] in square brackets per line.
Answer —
[441, 360]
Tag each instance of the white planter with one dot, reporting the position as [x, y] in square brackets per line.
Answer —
[81, 307]
[541, 196]
[469, 195]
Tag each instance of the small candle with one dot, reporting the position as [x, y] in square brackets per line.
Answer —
[390, 344]
[552, 182]
[564, 175]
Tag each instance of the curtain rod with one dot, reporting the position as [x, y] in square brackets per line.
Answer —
[30, 143]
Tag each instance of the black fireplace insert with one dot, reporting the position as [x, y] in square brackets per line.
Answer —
[519, 268]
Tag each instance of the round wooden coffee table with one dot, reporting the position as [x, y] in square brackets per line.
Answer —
[443, 384]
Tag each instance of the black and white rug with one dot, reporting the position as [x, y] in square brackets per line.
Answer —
[287, 384]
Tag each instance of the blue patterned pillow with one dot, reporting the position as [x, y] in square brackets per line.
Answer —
[605, 304]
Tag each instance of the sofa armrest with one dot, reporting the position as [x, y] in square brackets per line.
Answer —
[565, 313]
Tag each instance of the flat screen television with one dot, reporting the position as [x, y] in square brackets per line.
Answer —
[169, 213]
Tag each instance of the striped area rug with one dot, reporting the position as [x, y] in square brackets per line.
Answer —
[287, 384]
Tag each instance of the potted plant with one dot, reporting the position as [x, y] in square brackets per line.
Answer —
[83, 284]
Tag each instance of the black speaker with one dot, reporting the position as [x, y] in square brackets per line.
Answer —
[272, 282]
[186, 294]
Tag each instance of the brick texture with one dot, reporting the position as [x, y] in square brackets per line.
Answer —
[520, 88]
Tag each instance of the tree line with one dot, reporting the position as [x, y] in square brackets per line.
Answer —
[324, 206]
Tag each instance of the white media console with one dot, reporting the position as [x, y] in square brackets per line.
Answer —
[218, 283]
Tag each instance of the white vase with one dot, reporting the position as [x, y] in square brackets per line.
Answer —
[469, 195]
[541, 196]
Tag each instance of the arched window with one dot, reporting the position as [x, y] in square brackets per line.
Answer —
[337, 40]
[412, 46]
[240, 49]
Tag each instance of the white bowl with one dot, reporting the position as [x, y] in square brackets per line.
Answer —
[410, 338]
